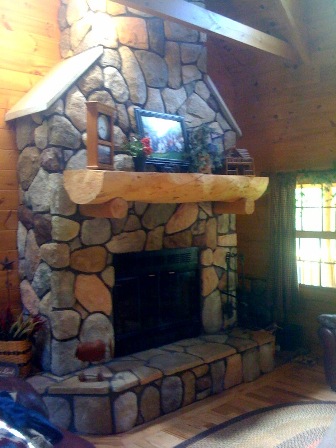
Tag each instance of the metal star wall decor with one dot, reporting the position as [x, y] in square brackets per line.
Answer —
[6, 264]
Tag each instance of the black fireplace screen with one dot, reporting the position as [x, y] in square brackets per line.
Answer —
[156, 298]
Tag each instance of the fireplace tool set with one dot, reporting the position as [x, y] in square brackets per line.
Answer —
[234, 301]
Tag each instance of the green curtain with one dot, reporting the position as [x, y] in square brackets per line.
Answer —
[282, 279]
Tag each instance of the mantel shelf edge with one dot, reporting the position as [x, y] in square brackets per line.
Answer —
[94, 187]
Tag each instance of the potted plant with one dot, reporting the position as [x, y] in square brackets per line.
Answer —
[16, 333]
[16, 336]
[139, 148]
[204, 155]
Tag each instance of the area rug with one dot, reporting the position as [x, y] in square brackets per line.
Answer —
[294, 425]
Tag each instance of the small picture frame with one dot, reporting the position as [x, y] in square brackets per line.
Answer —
[100, 146]
[168, 138]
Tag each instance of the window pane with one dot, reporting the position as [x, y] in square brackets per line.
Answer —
[316, 212]
[330, 212]
[332, 223]
[328, 275]
[308, 273]
[333, 197]
[308, 249]
[311, 196]
[298, 196]
[312, 219]
[328, 251]
[298, 219]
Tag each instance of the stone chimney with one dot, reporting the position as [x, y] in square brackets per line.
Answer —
[65, 258]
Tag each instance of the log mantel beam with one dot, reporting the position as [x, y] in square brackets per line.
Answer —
[101, 187]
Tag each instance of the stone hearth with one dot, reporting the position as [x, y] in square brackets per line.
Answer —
[146, 385]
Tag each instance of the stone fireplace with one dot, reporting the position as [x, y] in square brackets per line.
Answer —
[66, 259]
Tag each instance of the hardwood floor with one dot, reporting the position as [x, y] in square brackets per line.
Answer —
[292, 382]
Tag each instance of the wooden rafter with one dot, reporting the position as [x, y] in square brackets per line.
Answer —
[290, 9]
[195, 17]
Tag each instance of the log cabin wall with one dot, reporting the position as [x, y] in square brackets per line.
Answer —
[29, 43]
[287, 113]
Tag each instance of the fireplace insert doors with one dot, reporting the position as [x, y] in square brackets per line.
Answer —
[156, 298]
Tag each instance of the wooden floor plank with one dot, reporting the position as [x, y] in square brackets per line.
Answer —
[292, 382]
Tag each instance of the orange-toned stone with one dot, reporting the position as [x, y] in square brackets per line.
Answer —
[262, 337]
[114, 9]
[127, 242]
[132, 31]
[228, 240]
[188, 388]
[211, 233]
[201, 370]
[91, 259]
[219, 257]
[183, 218]
[92, 294]
[206, 257]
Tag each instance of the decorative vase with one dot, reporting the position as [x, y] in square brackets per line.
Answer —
[18, 353]
[139, 163]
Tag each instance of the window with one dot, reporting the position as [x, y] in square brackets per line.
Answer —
[316, 234]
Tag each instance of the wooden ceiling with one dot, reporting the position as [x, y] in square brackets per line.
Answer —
[282, 19]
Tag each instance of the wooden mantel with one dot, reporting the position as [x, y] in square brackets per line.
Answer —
[105, 193]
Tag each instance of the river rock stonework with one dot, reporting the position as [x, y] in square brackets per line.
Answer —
[143, 386]
[66, 259]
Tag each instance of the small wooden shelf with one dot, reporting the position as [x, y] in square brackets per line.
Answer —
[94, 187]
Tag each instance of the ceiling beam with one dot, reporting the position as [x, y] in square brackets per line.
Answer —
[290, 9]
[200, 19]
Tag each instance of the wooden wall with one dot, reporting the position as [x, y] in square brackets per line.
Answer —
[29, 47]
[287, 113]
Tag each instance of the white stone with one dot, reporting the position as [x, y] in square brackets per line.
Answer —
[133, 76]
[116, 84]
[173, 99]
[198, 107]
[125, 411]
[76, 10]
[154, 101]
[64, 324]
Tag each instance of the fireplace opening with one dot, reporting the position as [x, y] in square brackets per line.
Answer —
[156, 298]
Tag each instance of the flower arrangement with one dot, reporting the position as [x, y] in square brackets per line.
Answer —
[19, 328]
[204, 156]
[138, 147]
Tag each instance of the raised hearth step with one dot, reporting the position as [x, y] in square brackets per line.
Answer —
[141, 387]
